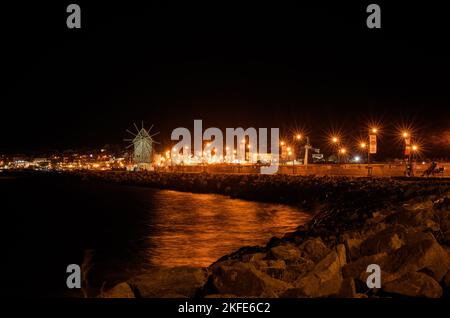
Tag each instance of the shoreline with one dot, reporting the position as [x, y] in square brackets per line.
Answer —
[402, 226]
[405, 230]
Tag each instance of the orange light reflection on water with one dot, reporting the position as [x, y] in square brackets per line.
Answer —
[197, 229]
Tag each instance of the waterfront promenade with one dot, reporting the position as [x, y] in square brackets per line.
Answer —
[351, 170]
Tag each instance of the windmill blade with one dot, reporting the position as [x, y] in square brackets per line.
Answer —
[137, 129]
[150, 128]
[142, 124]
[128, 146]
[156, 133]
[134, 134]
[128, 139]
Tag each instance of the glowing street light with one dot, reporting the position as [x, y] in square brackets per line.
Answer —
[335, 140]
[363, 145]
[374, 130]
[298, 137]
[415, 148]
[282, 143]
[343, 150]
[405, 134]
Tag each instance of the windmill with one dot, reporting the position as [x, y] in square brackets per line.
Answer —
[142, 142]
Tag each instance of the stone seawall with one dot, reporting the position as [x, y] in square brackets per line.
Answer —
[354, 170]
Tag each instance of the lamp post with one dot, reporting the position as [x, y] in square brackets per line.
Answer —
[408, 149]
[335, 141]
[363, 146]
[297, 139]
[291, 157]
[342, 151]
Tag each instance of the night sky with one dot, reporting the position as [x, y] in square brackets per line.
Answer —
[264, 65]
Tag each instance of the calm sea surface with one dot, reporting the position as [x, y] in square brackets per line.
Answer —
[50, 222]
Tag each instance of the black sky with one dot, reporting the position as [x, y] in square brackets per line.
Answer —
[262, 65]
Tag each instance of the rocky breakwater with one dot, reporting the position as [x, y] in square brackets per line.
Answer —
[402, 226]
[410, 243]
[409, 240]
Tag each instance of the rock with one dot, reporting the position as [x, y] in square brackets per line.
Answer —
[314, 249]
[242, 253]
[340, 250]
[447, 281]
[250, 258]
[243, 279]
[275, 241]
[122, 290]
[387, 240]
[353, 248]
[169, 282]
[354, 269]
[348, 289]
[422, 253]
[292, 272]
[287, 253]
[221, 296]
[295, 237]
[324, 280]
[273, 268]
[414, 284]
[430, 224]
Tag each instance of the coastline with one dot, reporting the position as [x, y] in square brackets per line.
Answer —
[404, 226]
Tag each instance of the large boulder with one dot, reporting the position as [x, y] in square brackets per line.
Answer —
[342, 255]
[414, 284]
[314, 249]
[294, 271]
[122, 290]
[243, 279]
[447, 281]
[323, 281]
[168, 282]
[287, 253]
[255, 257]
[353, 247]
[387, 240]
[273, 268]
[348, 289]
[356, 268]
[422, 253]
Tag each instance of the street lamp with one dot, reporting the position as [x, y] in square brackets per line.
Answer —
[335, 141]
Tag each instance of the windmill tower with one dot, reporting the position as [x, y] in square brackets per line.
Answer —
[142, 142]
